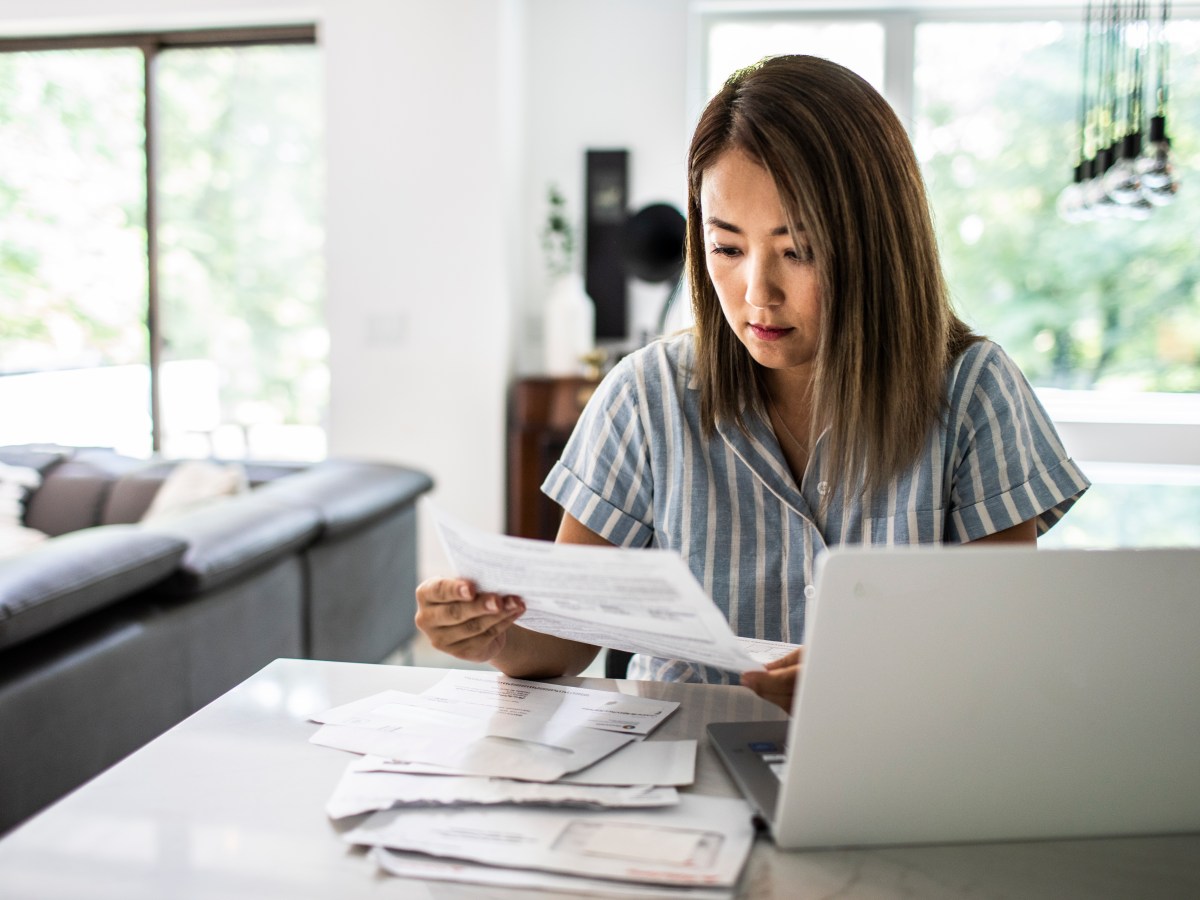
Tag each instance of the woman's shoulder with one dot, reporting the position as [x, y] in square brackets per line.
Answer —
[982, 360]
[641, 386]
[985, 374]
[664, 359]
[984, 349]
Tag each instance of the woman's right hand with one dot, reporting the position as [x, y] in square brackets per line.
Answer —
[464, 622]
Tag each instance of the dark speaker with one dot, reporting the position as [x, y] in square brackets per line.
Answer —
[607, 194]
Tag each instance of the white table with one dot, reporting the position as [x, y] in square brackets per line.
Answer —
[229, 805]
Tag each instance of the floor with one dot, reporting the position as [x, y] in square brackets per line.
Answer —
[419, 652]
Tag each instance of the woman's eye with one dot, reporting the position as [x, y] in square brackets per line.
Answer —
[804, 254]
[723, 250]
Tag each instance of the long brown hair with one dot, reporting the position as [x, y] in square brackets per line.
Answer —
[847, 175]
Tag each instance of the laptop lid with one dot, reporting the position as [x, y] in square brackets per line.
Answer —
[972, 694]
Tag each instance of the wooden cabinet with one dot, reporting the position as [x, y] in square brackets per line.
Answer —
[542, 411]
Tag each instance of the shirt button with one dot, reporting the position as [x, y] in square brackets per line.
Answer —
[809, 591]
[823, 488]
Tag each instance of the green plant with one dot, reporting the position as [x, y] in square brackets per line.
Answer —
[558, 235]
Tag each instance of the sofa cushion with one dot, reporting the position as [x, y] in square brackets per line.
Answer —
[73, 493]
[62, 579]
[194, 482]
[16, 539]
[132, 493]
[260, 472]
[16, 484]
[348, 494]
[233, 538]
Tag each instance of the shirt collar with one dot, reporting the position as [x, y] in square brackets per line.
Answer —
[759, 450]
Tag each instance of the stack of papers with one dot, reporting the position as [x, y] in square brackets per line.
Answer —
[702, 842]
[500, 781]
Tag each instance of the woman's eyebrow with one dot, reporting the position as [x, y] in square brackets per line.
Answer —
[714, 222]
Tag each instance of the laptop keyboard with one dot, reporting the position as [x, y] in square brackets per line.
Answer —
[772, 754]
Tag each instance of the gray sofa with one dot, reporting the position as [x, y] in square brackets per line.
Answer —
[112, 629]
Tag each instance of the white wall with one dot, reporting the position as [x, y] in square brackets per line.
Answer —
[446, 119]
[420, 279]
[600, 75]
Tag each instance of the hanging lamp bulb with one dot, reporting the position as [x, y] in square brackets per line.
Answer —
[1122, 182]
[1071, 204]
[1098, 202]
[1155, 169]
[1159, 182]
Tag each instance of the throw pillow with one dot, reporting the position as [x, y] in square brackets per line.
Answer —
[16, 484]
[193, 483]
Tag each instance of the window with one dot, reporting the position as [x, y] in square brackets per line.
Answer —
[858, 45]
[1103, 317]
[161, 262]
[1111, 303]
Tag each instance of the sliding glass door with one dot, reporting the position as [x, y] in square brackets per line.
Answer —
[161, 243]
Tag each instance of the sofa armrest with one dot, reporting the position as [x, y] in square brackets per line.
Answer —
[65, 578]
[232, 538]
[347, 494]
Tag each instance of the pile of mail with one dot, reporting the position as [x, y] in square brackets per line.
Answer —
[499, 781]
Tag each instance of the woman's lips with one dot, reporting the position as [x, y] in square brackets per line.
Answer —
[769, 333]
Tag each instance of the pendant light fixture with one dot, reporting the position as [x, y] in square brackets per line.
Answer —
[1154, 165]
[1121, 169]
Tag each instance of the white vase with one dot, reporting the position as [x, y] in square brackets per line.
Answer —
[570, 326]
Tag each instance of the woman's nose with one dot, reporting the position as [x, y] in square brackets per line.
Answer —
[762, 287]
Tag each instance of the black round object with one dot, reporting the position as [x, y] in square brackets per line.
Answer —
[653, 243]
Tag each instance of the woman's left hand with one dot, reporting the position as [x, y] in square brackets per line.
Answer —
[778, 683]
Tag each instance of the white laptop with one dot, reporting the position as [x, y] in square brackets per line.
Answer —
[978, 694]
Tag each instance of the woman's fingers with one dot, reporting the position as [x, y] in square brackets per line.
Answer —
[792, 658]
[445, 590]
[486, 643]
[462, 621]
[778, 684]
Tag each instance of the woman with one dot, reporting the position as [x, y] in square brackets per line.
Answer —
[827, 393]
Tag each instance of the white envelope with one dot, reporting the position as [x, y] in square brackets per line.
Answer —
[363, 788]
[644, 763]
[702, 841]
[491, 694]
[427, 868]
[534, 749]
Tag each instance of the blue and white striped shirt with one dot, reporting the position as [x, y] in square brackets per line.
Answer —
[638, 471]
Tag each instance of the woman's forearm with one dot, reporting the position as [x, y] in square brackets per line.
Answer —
[532, 654]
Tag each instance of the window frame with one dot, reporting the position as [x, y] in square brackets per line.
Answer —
[1148, 429]
[151, 44]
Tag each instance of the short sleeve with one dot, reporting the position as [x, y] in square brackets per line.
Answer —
[603, 478]
[1009, 462]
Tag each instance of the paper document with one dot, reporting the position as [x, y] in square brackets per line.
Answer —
[365, 787]
[408, 712]
[644, 601]
[645, 762]
[700, 841]
[766, 651]
[395, 725]
[469, 692]
[638, 763]
[428, 868]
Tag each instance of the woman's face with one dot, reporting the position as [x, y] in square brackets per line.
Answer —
[767, 284]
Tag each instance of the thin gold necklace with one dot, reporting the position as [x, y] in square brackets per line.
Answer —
[778, 415]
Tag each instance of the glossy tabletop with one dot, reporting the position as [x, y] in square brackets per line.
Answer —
[229, 804]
